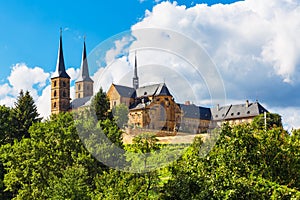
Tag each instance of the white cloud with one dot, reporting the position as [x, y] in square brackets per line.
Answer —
[4, 90]
[36, 81]
[73, 73]
[24, 78]
[7, 100]
[43, 102]
[242, 32]
[290, 116]
[254, 44]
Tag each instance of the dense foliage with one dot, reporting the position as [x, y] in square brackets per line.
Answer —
[100, 105]
[48, 160]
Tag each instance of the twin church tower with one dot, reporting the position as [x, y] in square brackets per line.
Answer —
[60, 82]
[84, 85]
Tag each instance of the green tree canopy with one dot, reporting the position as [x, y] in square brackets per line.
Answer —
[49, 160]
[245, 163]
[6, 124]
[120, 114]
[272, 119]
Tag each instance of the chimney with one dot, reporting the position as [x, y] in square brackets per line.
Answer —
[247, 103]
[187, 103]
[218, 107]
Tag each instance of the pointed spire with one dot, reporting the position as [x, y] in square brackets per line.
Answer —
[135, 66]
[135, 80]
[84, 69]
[60, 64]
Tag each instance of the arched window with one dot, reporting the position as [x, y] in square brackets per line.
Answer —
[64, 94]
[64, 84]
[78, 95]
[54, 105]
[78, 86]
[55, 93]
[54, 83]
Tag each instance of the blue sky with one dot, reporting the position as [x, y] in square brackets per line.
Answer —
[30, 29]
[254, 44]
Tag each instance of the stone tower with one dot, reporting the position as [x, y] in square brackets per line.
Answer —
[84, 84]
[135, 79]
[60, 84]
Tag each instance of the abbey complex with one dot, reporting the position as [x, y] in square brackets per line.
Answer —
[150, 107]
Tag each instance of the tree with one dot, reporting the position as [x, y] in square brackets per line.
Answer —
[24, 115]
[54, 153]
[6, 137]
[113, 184]
[245, 163]
[120, 114]
[100, 105]
[273, 120]
[6, 133]
[72, 184]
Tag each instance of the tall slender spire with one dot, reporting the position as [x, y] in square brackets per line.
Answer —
[60, 64]
[84, 69]
[135, 80]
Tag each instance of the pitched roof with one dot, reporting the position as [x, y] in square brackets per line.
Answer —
[237, 111]
[153, 90]
[138, 106]
[125, 91]
[60, 64]
[84, 69]
[81, 102]
[195, 112]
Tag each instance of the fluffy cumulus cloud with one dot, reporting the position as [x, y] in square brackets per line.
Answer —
[36, 81]
[23, 77]
[254, 45]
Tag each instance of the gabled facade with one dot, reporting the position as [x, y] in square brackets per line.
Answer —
[119, 94]
[154, 108]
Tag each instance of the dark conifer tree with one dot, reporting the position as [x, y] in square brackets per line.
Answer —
[24, 115]
[100, 104]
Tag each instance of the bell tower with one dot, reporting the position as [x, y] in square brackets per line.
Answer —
[60, 84]
[84, 84]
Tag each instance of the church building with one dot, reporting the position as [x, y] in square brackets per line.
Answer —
[150, 106]
[60, 84]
